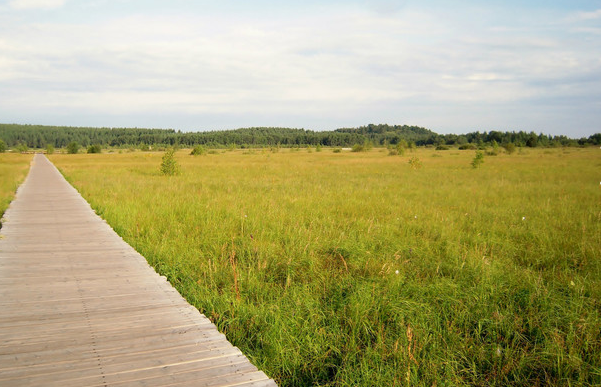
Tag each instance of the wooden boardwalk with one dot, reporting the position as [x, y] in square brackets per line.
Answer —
[80, 307]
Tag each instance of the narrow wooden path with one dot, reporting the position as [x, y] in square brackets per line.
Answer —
[80, 307]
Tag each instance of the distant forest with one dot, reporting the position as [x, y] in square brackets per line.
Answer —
[38, 136]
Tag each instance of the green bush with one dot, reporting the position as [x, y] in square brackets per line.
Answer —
[22, 147]
[401, 146]
[367, 145]
[337, 150]
[442, 147]
[358, 148]
[509, 147]
[72, 148]
[467, 147]
[49, 149]
[94, 149]
[478, 159]
[415, 163]
[198, 150]
[169, 166]
[494, 150]
[2, 146]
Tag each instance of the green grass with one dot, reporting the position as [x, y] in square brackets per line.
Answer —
[348, 269]
[13, 169]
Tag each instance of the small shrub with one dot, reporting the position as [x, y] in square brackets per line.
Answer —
[169, 166]
[198, 150]
[358, 148]
[532, 141]
[400, 147]
[49, 149]
[318, 148]
[495, 149]
[144, 147]
[337, 150]
[2, 146]
[478, 159]
[393, 152]
[509, 148]
[367, 145]
[94, 149]
[415, 163]
[442, 147]
[72, 148]
[467, 147]
[22, 147]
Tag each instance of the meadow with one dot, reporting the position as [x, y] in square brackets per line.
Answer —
[13, 169]
[344, 269]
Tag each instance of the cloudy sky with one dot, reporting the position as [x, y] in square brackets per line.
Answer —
[453, 67]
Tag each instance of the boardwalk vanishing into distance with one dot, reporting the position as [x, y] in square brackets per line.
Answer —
[80, 307]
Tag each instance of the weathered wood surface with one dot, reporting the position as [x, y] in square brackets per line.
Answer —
[80, 307]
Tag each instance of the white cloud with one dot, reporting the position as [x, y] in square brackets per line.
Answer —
[332, 68]
[585, 16]
[36, 4]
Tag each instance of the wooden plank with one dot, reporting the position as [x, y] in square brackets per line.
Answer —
[120, 364]
[80, 307]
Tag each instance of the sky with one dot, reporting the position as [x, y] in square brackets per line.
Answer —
[197, 65]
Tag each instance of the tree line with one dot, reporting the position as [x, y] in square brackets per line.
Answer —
[39, 136]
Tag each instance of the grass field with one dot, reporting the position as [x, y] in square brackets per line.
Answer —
[355, 269]
[13, 169]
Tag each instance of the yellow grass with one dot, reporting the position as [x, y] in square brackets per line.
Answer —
[13, 169]
[355, 269]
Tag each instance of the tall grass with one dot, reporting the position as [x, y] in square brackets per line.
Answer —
[13, 169]
[356, 269]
